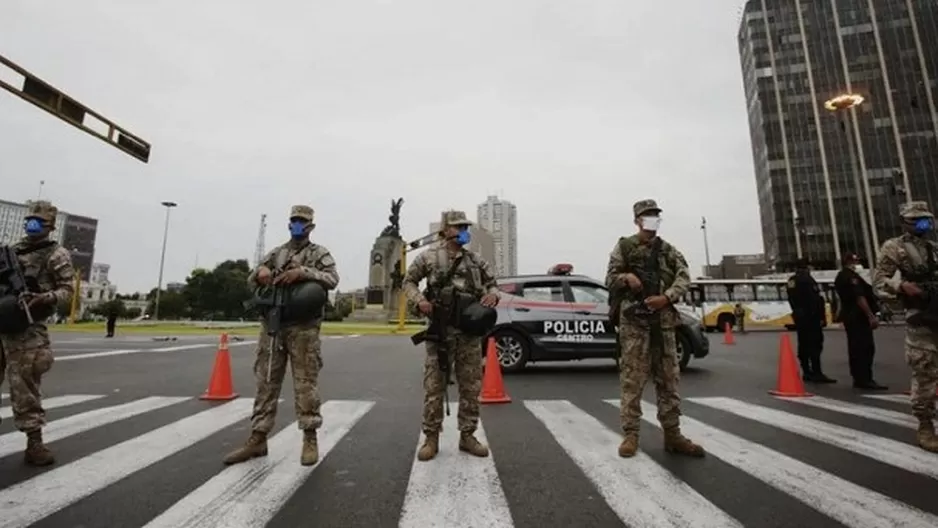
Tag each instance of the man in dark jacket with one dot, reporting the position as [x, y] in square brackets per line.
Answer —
[808, 312]
[858, 307]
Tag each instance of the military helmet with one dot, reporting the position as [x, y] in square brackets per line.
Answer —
[304, 301]
[12, 317]
[477, 320]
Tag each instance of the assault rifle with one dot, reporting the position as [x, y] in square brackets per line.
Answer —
[13, 282]
[927, 303]
[440, 317]
[650, 277]
[269, 301]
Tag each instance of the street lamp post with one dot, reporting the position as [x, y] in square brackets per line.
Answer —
[849, 102]
[159, 283]
[703, 227]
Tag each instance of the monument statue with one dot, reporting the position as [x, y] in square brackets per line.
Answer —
[393, 229]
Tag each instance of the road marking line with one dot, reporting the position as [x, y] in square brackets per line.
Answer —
[67, 484]
[249, 494]
[58, 429]
[855, 409]
[896, 398]
[56, 402]
[885, 450]
[455, 489]
[177, 348]
[839, 499]
[639, 490]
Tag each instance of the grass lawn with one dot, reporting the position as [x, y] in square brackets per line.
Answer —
[328, 328]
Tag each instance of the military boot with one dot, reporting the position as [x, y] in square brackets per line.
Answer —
[629, 445]
[675, 442]
[430, 447]
[37, 454]
[926, 436]
[469, 444]
[310, 454]
[256, 446]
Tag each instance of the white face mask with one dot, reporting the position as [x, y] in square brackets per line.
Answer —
[857, 267]
[650, 223]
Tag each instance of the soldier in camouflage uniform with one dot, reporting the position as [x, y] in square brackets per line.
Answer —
[475, 276]
[296, 261]
[647, 351]
[26, 356]
[908, 254]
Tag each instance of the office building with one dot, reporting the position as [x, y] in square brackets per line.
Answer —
[500, 217]
[737, 267]
[481, 241]
[75, 233]
[831, 180]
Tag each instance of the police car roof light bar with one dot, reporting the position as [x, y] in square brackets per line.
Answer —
[39, 93]
[560, 269]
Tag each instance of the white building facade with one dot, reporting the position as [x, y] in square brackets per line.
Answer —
[500, 218]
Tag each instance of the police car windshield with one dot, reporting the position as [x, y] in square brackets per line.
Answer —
[588, 293]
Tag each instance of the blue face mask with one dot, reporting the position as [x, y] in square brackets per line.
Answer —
[297, 229]
[923, 226]
[33, 227]
[463, 237]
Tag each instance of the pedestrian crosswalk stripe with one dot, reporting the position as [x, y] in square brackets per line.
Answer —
[455, 489]
[641, 492]
[67, 484]
[839, 499]
[79, 423]
[854, 409]
[897, 398]
[885, 450]
[55, 402]
[248, 495]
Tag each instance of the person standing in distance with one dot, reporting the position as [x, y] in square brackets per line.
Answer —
[858, 307]
[27, 354]
[808, 313]
[914, 257]
[296, 261]
[449, 264]
[646, 325]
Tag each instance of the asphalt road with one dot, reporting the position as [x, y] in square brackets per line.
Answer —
[131, 454]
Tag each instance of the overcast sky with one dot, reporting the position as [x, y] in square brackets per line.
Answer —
[571, 110]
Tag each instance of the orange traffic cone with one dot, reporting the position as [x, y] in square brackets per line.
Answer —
[728, 335]
[220, 386]
[493, 387]
[789, 382]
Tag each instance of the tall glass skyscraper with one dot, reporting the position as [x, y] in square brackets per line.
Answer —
[831, 176]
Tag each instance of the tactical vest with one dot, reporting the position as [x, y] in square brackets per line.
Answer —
[472, 285]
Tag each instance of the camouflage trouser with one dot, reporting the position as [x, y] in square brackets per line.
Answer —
[465, 357]
[301, 345]
[921, 353]
[647, 353]
[25, 358]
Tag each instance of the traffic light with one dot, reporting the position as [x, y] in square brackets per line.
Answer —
[36, 91]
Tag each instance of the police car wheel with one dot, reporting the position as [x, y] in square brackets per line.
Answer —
[513, 350]
[684, 349]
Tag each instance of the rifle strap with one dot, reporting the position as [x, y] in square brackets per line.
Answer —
[45, 244]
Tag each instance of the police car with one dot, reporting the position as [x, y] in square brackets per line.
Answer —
[561, 317]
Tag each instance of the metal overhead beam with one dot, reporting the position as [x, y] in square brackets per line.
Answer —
[40, 93]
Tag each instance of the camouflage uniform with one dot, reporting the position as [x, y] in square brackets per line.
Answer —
[474, 275]
[25, 357]
[903, 254]
[297, 342]
[644, 352]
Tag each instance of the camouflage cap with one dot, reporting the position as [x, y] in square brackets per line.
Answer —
[42, 210]
[454, 218]
[913, 210]
[645, 206]
[302, 211]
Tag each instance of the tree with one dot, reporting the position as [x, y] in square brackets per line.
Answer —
[219, 293]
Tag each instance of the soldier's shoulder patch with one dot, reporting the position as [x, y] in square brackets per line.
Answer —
[327, 260]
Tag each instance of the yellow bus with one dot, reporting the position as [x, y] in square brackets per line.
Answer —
[765, 302]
